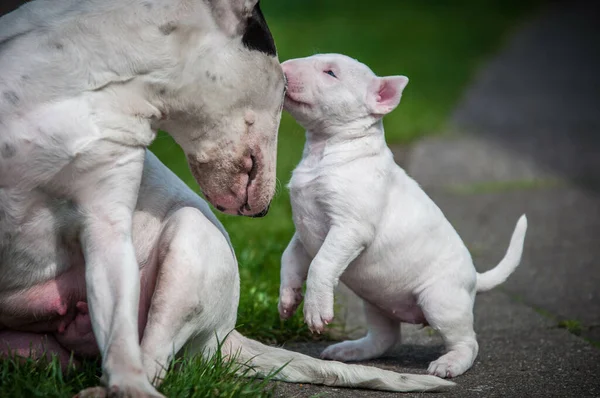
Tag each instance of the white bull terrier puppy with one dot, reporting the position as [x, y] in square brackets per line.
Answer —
[360, 218]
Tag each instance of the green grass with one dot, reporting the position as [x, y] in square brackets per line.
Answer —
[194, 377]
[437, 44]
[26, 378]
[573, 326]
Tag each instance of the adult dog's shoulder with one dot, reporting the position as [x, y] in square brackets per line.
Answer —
[62, 47]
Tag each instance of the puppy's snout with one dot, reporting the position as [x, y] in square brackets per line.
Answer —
[287, 72]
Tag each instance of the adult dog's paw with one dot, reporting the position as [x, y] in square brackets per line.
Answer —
[123, 385]
[92, 392]
[289, 300]
[101, 392]
[318, 311]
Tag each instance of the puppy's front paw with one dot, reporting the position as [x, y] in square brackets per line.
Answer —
[289, 300]
[318, 311]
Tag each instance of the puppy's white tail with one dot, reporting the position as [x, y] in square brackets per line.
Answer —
[492, 278]
[299, 368]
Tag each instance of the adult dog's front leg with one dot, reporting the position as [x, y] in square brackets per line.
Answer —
[107, 195]
[340, 248]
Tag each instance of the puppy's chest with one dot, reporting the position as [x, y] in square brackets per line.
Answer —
[310, 194]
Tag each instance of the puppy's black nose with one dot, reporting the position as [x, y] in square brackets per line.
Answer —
[262, 213]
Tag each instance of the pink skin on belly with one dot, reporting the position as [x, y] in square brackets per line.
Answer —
[406, 310]
[47, 307]
[54, 317]
[35, 345]
[412, 315]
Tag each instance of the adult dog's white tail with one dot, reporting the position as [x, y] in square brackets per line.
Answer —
[301, 368]
[492, 278]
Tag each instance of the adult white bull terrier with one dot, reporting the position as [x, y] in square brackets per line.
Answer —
[361, 218]
[102, 249]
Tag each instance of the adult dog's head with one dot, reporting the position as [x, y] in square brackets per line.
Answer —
[225, 110]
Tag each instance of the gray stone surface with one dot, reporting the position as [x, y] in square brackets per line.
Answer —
[532, 116]
[524, 139]
[522, 354]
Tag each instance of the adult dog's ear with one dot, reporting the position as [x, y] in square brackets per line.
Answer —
[232, 15]
[244, 18]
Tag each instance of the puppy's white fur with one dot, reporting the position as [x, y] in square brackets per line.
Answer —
[360, 218]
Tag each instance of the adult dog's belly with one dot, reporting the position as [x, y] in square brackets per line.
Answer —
[42, 269]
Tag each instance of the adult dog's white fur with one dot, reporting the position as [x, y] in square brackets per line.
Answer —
[84, 86]
[360, 218]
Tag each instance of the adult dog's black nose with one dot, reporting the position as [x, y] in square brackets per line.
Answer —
[262, 213]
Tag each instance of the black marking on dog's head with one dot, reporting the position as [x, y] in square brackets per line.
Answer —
[257, 35]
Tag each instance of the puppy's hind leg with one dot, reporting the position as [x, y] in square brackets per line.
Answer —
[383, 333]
[450, 312]
[196, 291]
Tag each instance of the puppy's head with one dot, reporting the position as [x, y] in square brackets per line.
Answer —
[332, 90]
[225, 112]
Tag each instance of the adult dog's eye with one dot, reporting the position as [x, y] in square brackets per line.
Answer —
[330, 73]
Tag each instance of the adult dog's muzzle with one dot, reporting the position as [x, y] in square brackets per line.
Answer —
[262, 213]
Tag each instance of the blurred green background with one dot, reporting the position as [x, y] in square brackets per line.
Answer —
[437, 44]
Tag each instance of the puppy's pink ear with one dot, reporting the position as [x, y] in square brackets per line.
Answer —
[385, 93]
